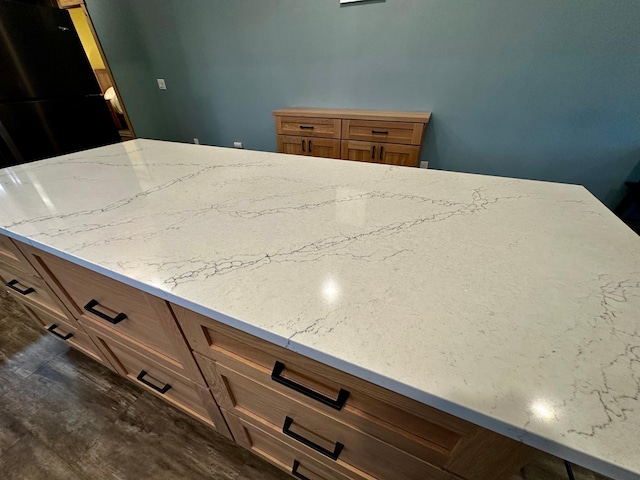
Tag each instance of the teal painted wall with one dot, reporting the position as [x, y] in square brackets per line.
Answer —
[545, 89]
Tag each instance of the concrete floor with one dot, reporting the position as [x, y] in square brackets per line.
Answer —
[63, 416]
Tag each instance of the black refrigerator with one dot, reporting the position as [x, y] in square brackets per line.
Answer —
[50, 100]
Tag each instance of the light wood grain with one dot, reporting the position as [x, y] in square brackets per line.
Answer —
[262, 443]
[79, 340]
[291, 144]
[149, 321]
[360, 151]
[40, 296]
[433, 446]
[389, 115]
[309, 146]
[361, 450]
[387, 153]
[129, 362]
[308, 127]
[379, 131]
[12, 258]
[489, 456]
[402, 155]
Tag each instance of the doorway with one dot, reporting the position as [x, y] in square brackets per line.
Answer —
[91, 45]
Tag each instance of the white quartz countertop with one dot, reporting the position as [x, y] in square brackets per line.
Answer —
[512, 304]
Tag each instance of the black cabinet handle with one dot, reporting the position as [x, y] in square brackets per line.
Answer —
[162, 390]
[114, 320]
[276, 376]
[381, 150]
[307, 127]
[373, 152]
[303, 146]
[12, 285]
[288, 421]
[379, 132]
[52, 329]
[309, 145]
[295, 473]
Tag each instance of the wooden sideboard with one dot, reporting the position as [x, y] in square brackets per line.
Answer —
[305, 417]
[378, 136]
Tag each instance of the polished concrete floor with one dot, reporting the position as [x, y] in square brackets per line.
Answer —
[65, 417]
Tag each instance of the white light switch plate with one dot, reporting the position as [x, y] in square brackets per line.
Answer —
[161, 84]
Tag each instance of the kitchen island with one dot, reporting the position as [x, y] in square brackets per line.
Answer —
[509, 304]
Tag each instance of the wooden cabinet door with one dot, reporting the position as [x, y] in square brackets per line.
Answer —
[392, 154]
[292, 145]
[323, 147]
[359, 151]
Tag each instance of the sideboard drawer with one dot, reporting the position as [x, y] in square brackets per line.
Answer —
[10, 255]
[257, 439]
[308, 127]
[387, 132]
[147, 373]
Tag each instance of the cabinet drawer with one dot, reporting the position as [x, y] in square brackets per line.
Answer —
[29, 289]
[67, 331]
[387, 132]
[130, 312]
[417, 421]
[308, 127]
[429, 449]
[314, 432]
[10, 255]
[146, 372]
[258, 440]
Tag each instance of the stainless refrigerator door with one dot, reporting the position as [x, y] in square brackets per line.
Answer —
[41, 55]
[54, 127]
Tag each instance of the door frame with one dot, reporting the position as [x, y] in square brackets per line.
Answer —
[71, 4]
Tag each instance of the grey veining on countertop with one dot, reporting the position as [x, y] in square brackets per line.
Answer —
[513, 304]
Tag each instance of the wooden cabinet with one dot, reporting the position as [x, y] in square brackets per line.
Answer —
[126, 329]
[389, 153]
[21, 280]
[394, 138]
[310, 146]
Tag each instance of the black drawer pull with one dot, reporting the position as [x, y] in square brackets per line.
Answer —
[303, 146]
[379, 132]
[381, 151]
[12, 285]
[288, 421]
[307, 127]
[114, 320]
[162, 390]
[309, 145]
[295, 473]
[276, 376]
[52, 329]
[373, 152]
